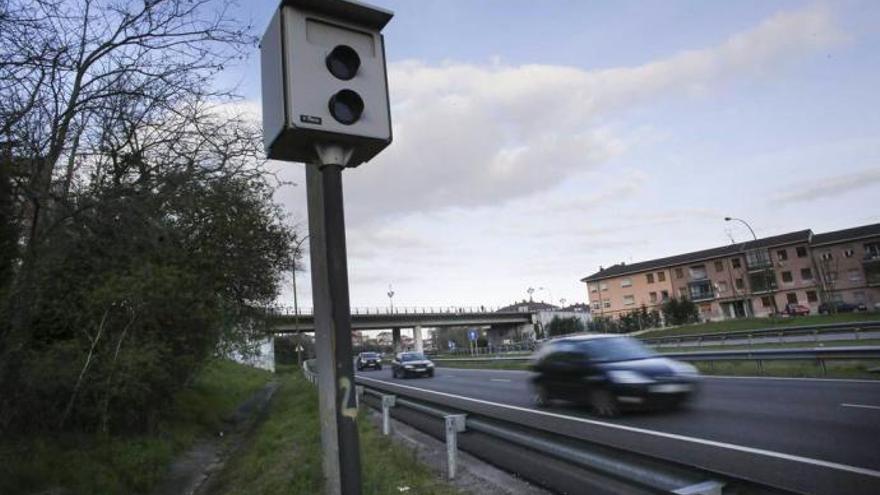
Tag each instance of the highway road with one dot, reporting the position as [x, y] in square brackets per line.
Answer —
[826, 422]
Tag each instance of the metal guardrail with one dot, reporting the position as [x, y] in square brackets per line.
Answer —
[396, 310]
[854, 327]
[818, 354]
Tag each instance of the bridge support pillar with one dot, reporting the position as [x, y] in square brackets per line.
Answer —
[417, 337]
[395, 339]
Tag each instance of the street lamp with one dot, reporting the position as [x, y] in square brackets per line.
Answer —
[530, 290]
[562, 303]
[766, 270]
[391, 297]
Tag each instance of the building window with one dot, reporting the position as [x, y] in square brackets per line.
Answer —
[758, 258]
[679, 273]
[848, 253]
[739, 284]
[806, 274]
[629, 300]
[767, 301]
[826, 256]
[627, 282]
[607, 304]
[736, 263]
[650, 278]
[812, 297]
[603, 286]
[652, 296]
[664, 295]
[682, 292]
[801, 251]
[661, 276]
[782, 254]
[787, 278]
[855, 275]
[872, 251]
[762, 281]
[597, 305]
[719, 266]
[697, 272]
[722, 286]
[594, 288]
[791, 297]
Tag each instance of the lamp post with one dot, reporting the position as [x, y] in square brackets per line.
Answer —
[562, 303]
[391, 298]
[766, 270]
[530, 290]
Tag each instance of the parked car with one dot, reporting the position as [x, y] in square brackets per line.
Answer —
[368, 360]
[411, 364]
[609, 373]
[841, 307]
[792, 309]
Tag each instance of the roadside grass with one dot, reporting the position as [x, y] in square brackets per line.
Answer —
[756, 323]
[284, 454]
[95, 464]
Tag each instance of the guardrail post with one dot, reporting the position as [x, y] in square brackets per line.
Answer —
[760, 364]
[824, 367]
[388, 402]
[781, 339]
[358, 395]
[856, 333]
[455, 424]
[816, 336]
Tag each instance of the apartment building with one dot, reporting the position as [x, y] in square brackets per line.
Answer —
[754, 278]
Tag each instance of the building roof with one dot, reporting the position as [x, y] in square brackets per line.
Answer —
[693, 257]
[847, 234]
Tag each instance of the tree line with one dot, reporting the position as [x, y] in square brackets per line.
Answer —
[137, 226]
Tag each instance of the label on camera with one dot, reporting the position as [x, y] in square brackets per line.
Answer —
[310, 119]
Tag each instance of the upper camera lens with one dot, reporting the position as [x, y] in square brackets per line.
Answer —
[343, 62]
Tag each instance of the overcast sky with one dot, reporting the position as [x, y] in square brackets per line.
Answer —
[536, 141]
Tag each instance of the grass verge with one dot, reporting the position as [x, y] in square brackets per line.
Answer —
[756, 323]
[284, 455]
[94, 464]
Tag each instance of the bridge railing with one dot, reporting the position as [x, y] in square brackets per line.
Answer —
[387, 310]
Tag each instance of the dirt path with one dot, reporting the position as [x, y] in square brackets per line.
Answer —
[191, 472]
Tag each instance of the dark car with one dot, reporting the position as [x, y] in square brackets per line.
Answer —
[792, 309]
[368, 360]
[840, 307]
[411, 364]
[608, 373]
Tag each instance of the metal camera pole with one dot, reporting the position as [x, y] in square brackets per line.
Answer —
[336, 394]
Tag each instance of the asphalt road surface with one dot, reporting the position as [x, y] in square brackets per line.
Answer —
[834, 421]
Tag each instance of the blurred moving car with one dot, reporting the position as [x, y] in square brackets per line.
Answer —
[369, 360]
[608, 373]
[792, 309]
[840, 307]
[411, 364]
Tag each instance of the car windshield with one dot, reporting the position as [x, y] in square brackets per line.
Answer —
[412, 356]
[616, 349]
[369, 355]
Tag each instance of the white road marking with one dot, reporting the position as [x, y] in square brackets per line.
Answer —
[863, 406]
[505, 380]
[673, 436]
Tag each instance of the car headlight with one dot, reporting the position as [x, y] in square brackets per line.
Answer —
[430, 365]
[409, 366]
[627, 376]
[685, 369]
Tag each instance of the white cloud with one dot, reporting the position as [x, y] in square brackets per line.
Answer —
[478, 134]
[827, 187]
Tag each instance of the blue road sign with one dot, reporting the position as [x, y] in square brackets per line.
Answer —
[472, 335]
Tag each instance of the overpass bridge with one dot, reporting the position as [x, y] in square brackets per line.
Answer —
[285, 320]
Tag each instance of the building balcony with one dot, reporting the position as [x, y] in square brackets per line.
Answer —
[701, 291]
[871, 258]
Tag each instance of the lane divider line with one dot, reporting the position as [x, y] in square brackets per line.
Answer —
[505, 380]
[863, 406]
[702, 441]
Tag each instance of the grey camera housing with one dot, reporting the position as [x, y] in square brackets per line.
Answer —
[297, 84]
